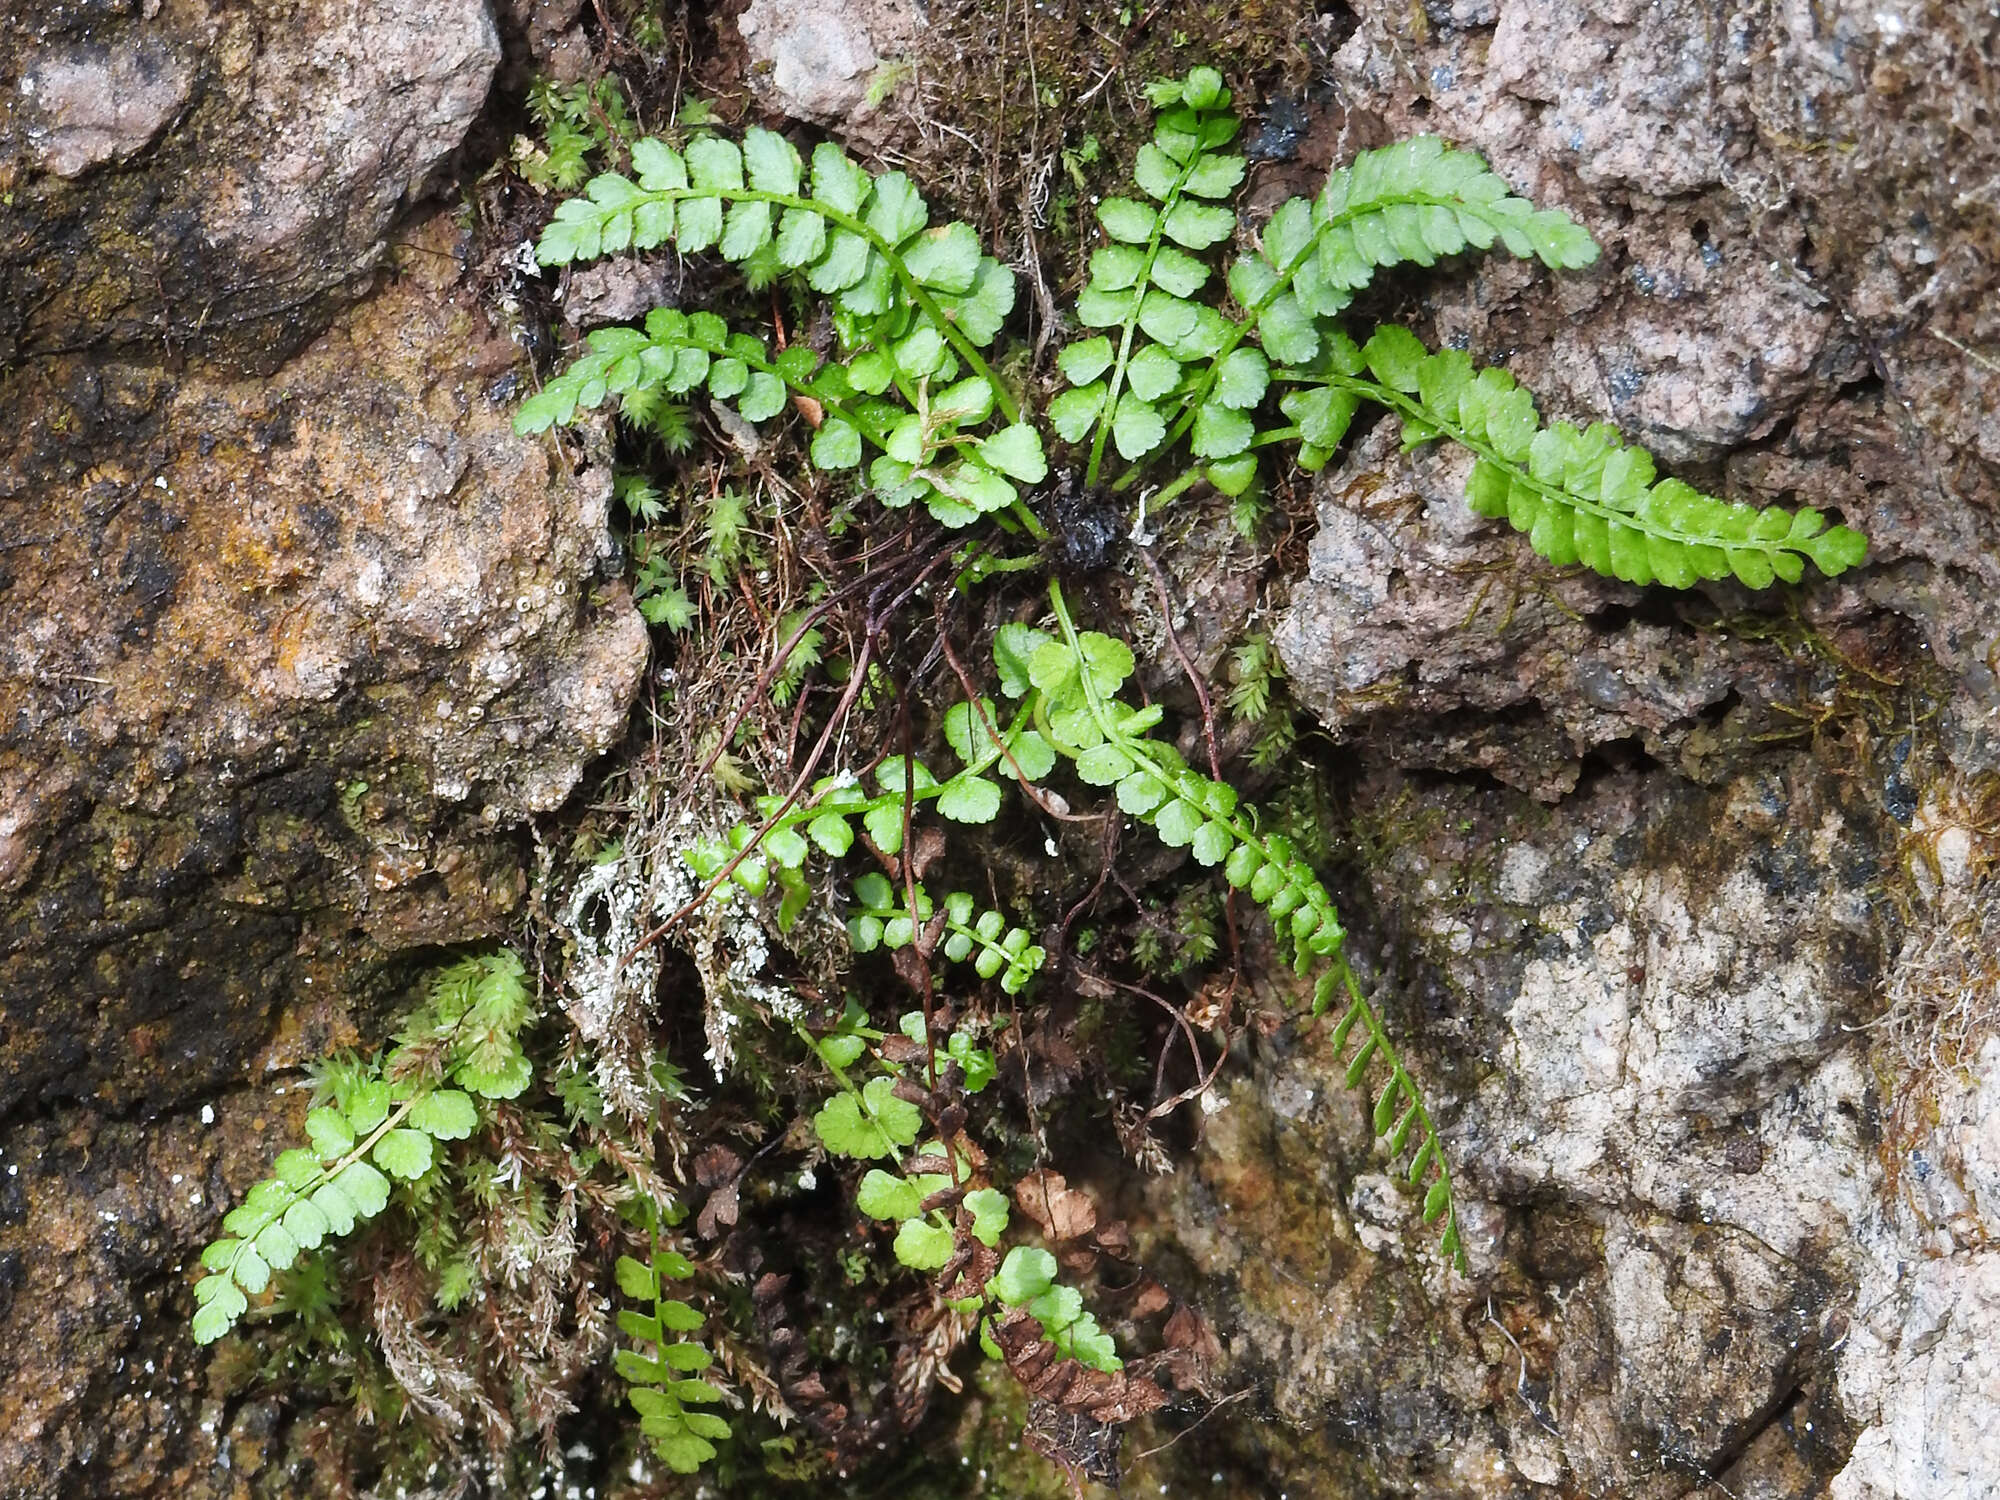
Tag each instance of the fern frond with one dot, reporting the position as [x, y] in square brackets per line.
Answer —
[865, 241]
[372, 1123]
[1077, 675]
[1144, 283]
[929, 444]
[661, 1372]
[1415, 201]
[996, 949]
[1580, 496]
[840, 808]
[1201, 375]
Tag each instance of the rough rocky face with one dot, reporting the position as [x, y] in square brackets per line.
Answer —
[1641, 1008]
[304, 645]
[290, 658]
[818, 62]
[216, 177]
[294, 653]
[298, 660]
[1713, 1248]
[1796, 291]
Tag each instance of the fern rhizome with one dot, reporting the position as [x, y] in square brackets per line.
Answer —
[1205, 351]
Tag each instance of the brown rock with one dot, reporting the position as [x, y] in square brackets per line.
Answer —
[218, 177]
[290, 645]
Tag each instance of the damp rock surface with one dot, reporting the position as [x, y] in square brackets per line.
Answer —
[1646, 966]
[218, 177]
[296, 658]
[306, 636]
[311, 642]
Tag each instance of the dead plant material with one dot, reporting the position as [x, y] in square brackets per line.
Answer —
[1192, 1350]
[1109, 1397]
[1059, 1210]
[1943, 990]
[891, 590]
[923, 1361]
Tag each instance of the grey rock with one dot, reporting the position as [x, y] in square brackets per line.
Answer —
[618, 291]
[817, 59]
[1796, 300]
[100, 104]
[1442, 640]
[1921, 1367]
[281, 140]
[1637, 1041]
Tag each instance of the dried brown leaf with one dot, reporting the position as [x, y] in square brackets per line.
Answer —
[718, 1213]
[716, 1165]
[1060, 1211]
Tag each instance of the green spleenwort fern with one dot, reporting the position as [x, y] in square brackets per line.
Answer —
[1067, 686]
[1197, 370]
[995, 948]
[660, 1372]
[1581, 496]
[1266, 366]
[1076, 675]
[383, 1116]
[1172, 367]
[913, 305]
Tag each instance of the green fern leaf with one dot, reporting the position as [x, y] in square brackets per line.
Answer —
[1580, 495]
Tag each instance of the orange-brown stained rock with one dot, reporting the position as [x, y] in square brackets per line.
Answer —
[218, 176]
[304, 644]
[284, 663]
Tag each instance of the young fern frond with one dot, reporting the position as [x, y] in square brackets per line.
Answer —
[941, 1201]
[1143, 282]
[663, 1382]
[1027, 1280]
[840, 807]
[380, 1117]
[996, 949]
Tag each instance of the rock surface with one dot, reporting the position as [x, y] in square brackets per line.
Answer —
[1636, 1011]
[292, 657]
[302, 654]
[1715, 1262]
[310, 643]
[816, 61]
[1787, 289]
[217, 177]
[299, 653]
